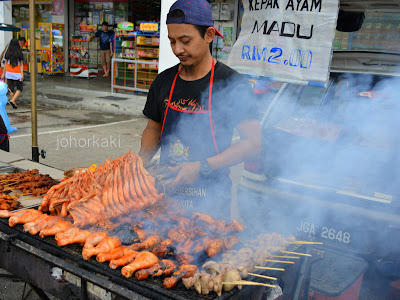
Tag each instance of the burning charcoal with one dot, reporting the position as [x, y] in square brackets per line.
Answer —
[125, 233]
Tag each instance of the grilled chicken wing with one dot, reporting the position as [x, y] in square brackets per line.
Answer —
[127, 258]
[94, 239]
[4, 213]
[234, 226]
[29, 225]
[113, 254]
[203, 217]
[230, 241]
[167, 268]
[72, 236]
[214, 247]
[148, 243]
[48, 222]
[143, 260]
[60, 226]
[23, 217]
[106, 245]
[185, 271]
[184, 258]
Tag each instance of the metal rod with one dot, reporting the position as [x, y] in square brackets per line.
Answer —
[83, 289]
[32, 52]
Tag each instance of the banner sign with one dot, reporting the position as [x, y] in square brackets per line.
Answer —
[287, 40]
[146, 26]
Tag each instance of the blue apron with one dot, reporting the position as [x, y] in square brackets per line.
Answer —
[188, 136]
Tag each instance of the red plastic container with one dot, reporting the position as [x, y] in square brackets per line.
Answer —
[337, 277]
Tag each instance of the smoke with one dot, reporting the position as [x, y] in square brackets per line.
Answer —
[331, 161]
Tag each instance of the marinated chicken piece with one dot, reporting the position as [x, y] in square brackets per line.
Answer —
[163, 250]
[214, 247]
[230, 276]
[185, 247]
[48, 222]
[146, 273]
[78, 236]
[184, 258]
[218, 225]
[234, 226]
[29, 225]
[148, 243]
[4, 213]
[113, 254]
[218, 285]
[184, 271]
[106, 245]
[23, 216]
[199, 247]
[188, 282]
[143, 260]
[128, 257]
[207, 284]
[230, 241]
[94, 239]
[167, 268]
[60, 226]
[203, 217]
[177, 235]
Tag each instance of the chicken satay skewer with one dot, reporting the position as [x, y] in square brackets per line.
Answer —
[269, 268]
[305, 243]
[280, 261]
[263, 276]
[283, 256]
[296, 253]
[245, 282]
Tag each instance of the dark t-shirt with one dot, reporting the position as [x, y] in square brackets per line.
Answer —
[104, 39]
[232, 99]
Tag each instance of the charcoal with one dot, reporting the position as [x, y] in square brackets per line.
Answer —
[125, 233]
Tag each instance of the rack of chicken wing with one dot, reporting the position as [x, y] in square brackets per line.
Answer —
[29, 183]
[117, 216]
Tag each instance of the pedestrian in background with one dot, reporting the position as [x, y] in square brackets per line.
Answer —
[13, 71]
[105, 51]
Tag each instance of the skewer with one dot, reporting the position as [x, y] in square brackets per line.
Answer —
[296, 253]
[263, 276]
[269, 268]
[245, 282]
[283, 256]
[30, 198]
[280, 261]
[305, 243]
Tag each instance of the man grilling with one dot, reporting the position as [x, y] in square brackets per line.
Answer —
[193, 109]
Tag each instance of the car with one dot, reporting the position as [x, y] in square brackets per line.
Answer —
[329, 169]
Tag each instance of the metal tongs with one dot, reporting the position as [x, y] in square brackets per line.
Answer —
[162, 174]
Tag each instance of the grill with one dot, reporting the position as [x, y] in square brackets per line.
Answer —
[151, 288]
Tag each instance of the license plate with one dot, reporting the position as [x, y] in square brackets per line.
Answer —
[324, 232]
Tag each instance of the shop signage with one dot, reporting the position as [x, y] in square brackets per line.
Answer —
[148, 27]
[287, 40]
[125, 26]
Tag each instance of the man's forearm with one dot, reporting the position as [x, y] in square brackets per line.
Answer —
[235, 154]
[248, 146]
[150, 144]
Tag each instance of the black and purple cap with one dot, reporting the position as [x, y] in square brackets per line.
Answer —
[197, 12]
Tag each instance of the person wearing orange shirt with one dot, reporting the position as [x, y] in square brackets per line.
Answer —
[13, 71]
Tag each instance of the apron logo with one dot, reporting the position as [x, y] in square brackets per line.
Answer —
[178, 152]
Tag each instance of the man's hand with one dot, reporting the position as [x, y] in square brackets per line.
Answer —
[187, 173]
[3, 76]
[22, 77]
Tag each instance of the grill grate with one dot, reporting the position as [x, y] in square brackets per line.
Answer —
[151, 288]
